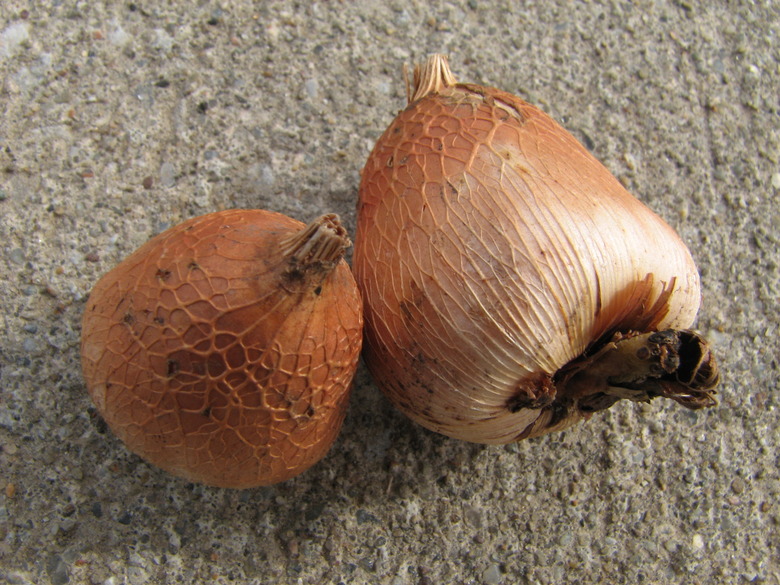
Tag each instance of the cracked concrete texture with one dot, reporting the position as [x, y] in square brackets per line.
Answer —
[121, 119]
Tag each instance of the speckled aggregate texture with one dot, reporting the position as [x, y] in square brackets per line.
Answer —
[122, 119]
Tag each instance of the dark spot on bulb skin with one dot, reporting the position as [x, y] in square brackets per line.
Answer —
[535, 392]
[560, 410]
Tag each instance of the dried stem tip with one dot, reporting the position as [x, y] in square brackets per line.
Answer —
[432, 77]
[321, 244]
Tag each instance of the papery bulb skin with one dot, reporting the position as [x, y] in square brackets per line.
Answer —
[496, 257]
[224, 348]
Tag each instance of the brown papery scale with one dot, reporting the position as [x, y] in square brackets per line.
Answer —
[511, 285]
[223, 349]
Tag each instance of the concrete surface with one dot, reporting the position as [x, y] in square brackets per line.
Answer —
[122, 118]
